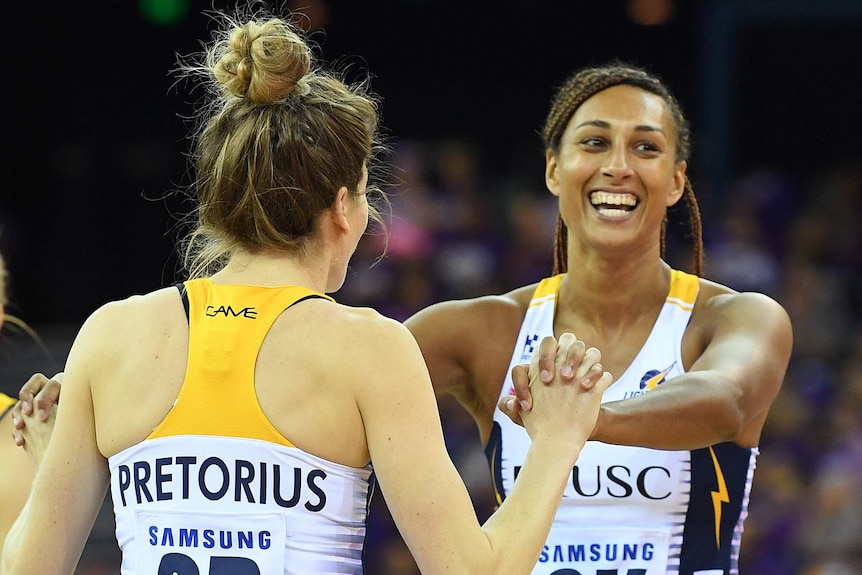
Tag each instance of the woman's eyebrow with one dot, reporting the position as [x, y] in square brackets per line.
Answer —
[606, 125]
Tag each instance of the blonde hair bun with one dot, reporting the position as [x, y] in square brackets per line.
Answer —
[263, 62]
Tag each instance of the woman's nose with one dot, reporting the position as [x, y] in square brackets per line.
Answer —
[616, 163]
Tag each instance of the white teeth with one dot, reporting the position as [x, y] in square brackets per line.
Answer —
[612, 213]
[609, 199]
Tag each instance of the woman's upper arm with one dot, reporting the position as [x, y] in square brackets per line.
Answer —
[437, 331]
[468, 343]
[16, 476]
[749, 346]
[739, 345]
[421, 485]
[72, 480]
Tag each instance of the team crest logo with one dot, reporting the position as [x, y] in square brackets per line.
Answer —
[654, 377]
[529, 346]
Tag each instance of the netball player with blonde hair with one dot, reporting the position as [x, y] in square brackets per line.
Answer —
[237, 417]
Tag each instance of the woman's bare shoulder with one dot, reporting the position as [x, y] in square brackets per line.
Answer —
[362, 327]
[720, 306]
[715, 297]
[489, 312]
[134, 319]
[139, 303]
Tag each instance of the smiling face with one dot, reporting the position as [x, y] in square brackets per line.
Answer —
[616, 170]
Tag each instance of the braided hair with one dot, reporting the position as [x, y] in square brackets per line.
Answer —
[588, 82]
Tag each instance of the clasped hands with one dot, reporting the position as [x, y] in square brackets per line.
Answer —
[566, 362]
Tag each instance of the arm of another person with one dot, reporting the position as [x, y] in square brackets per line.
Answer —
[19, 463]
[40, 396]
[746, 340]
[423, 490]
[465, 343]
[16, 477]
[71, 482]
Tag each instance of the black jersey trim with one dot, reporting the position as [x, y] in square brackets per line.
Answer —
[184, 295]
[310, 296]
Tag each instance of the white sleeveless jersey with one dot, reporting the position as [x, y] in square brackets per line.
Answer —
[630, 510]
[205, 504]
[215, 489]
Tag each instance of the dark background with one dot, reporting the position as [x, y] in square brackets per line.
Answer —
[94, 141]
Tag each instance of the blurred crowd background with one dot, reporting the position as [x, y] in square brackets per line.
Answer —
[95, 148]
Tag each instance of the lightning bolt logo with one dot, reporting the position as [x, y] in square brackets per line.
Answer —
[494, 455]
[718, 497]
[656, 378]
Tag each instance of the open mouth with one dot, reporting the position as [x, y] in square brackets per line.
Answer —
[613, 204]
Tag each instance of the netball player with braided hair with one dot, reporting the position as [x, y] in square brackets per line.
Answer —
[236, 417]
[664, 486]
